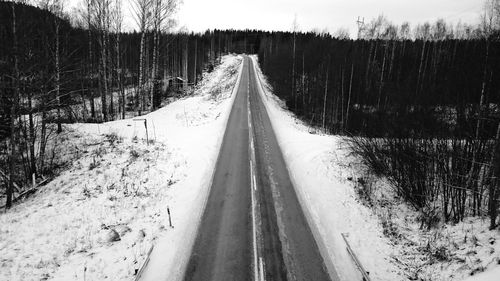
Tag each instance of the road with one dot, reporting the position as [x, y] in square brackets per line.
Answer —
[253, 227]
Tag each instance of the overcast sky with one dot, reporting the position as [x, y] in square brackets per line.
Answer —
[199, 15]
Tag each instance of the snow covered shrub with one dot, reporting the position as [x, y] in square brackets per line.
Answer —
[93, 164]
[113, 138]
[364, 189]
[442, 178]
[390, 228]
[429, 217]
[401, 161]
[134, 154]
[440, 253]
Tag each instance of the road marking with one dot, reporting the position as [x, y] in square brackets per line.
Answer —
[254, 234]
[254, 180]
[258, 262]
[261, 269]
[253, 184]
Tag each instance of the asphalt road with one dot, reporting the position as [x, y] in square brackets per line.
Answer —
[253, 227]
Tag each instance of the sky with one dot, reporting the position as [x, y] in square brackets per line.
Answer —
[200, 15]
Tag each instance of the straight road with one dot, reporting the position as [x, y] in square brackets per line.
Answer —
[253, 227]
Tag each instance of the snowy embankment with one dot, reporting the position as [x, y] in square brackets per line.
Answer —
[384, 233]
[98, 219]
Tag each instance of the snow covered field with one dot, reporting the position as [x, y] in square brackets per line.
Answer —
[385, 235]
[98, 219]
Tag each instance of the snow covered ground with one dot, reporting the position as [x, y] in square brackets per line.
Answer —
[446, 252]
[384, 234]
[98, 219]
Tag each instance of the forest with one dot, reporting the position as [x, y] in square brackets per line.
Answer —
[418, 104]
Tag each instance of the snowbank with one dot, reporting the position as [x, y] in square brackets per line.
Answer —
[98, 219]
[315, 165]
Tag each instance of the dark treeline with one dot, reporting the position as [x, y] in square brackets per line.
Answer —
[383, 87]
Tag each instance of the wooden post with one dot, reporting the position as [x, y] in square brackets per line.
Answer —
[147, 135]
[169, 218]
[146, 127]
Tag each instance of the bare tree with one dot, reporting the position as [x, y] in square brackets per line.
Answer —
[325, 98]
[56, 7]
[13, 110]
[89, 4]
[102, 21]
[295, 27]
[423, 31]
[162, 12]
[390, 32]
[142, 10]
[342, 34]
[117, 21]
[376, 28]
[441, 31]
[490, 19]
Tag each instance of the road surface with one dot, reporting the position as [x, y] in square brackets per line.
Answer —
[253, 227]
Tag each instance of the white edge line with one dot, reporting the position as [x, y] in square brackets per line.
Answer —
[261, 270]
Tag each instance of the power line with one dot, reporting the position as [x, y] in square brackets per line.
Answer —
[361, 25]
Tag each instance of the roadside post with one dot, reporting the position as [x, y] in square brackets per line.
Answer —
[146, 127]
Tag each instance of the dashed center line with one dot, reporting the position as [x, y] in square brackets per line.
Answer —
[258, 262]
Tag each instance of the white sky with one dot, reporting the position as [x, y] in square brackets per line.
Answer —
[200, 15]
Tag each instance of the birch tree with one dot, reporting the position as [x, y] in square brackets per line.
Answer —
[56, 7]
[13, 110]
[89, 4]
[162, 11]
[490, 18]
[102, 19]
[142, 10]
[117, 21]
[295, 27]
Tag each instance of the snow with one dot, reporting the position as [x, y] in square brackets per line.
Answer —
[492, 275]
[446, 252]
[385, 234]
[119, 183]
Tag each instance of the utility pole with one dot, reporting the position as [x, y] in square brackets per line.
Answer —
[361, 26]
